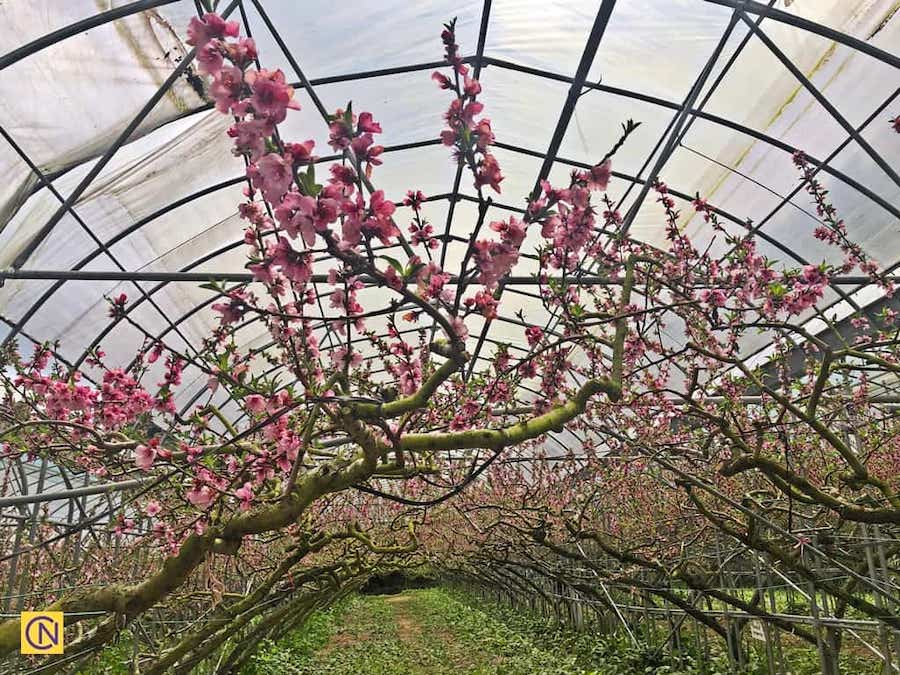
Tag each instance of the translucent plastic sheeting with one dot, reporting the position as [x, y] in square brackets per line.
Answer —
[65, 105]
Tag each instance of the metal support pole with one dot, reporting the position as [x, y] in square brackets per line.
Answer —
[67, 494]
[32, 535]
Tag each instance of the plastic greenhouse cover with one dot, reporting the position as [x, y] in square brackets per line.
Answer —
[65, 104]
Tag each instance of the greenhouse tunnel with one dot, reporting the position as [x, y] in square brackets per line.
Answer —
[499, 336]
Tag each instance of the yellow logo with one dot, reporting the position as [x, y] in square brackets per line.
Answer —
[42, 632]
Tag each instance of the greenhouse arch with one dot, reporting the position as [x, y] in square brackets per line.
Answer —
[574, 322]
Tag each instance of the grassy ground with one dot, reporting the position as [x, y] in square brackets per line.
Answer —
[424, 632]
[439, 632]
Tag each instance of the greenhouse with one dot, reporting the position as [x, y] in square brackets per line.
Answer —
[498, 337]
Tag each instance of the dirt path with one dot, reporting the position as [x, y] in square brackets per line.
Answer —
[408, 628]
[422, 632]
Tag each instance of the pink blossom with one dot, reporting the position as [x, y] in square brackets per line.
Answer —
[343, 175]
[381, 207]
[497, 264]
[263, 272]
[40, 358]
[242, 52]
[408, 375]
[461, 113]
[471, 86]
[255, 403]
[393, 279]
[423, 234]
[301, 153]
[226, 87]
[239, 302]
[174, 367]
[117, 306]
[512, 232]
[273, 175]
[414, 199]
[152, 508]
[448, 36]
[339, 132]
[713, 298]
[339, 357]
[209, 27]
[367, 125]
[351, 232]
[459, 327]
[145, 455]
[813, 275]
[245, 494]
[250, 137]
[534, 335]
[528, 368]
[365, 151]
[483, 134]
[295, 215]
[380, 224]
[338, 298]
[598, 175]
[295, 265]
[442, 80]
[485, 303]
[201, 496]
[494, 260]
[155, 352]
[210, 58]
[272, 96]
[489, 173]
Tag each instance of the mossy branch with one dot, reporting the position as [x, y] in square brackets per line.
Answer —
[456, 360]
[496, 439]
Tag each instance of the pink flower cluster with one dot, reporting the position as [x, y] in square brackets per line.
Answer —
[407, 370]
[806, 289]
[239, 302]
[469, 137]
[147, 453]
[485, 303]
[260, 99]
[833, 230]
[119, 401]
[432, 283]
[122, 399]
[570, 227]
[746, 276]
[421, 230]
[496, 258]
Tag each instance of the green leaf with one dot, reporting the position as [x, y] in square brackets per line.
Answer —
[413, 270]
[777, 289]
[393, 262]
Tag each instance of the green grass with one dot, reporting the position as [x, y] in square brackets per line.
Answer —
[301, 644]
[423, 632]
[617, 655]
[439, 631]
